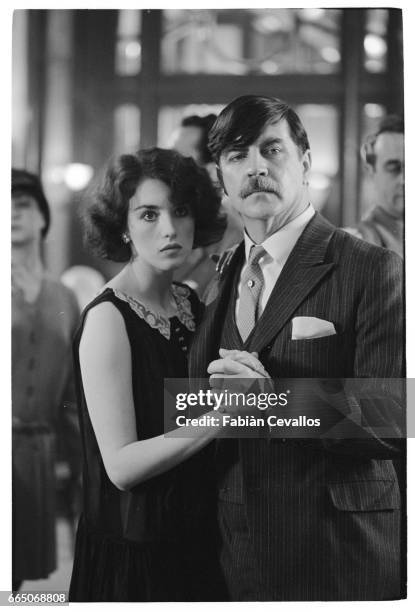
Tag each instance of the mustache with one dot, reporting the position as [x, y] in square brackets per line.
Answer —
[257, 184]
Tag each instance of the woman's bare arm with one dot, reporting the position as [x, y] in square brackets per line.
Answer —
[105, 360]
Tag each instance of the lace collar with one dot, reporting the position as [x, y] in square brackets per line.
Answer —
[155, 319]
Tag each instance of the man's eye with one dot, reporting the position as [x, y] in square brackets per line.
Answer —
[22, 205]
[182, 211]
[234, 157]
[149, 215]
[273, 150]
[394, 168]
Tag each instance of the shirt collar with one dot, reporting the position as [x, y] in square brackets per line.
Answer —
[280, 244]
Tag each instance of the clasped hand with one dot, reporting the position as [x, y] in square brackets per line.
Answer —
[237, 364]
[236, 372]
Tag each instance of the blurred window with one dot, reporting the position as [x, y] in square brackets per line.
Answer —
[128, 46]
[321, 124]
[247, 41]
[375, 42]
[126, 129]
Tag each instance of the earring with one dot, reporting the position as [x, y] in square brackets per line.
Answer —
[125, 237]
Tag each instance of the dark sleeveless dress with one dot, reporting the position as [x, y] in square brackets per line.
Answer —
[157, 541]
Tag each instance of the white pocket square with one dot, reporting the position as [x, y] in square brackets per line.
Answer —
[311, 327]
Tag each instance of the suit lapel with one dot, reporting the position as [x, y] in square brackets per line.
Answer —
[206, 343]
[305, 267]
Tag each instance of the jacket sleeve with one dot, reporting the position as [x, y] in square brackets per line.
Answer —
[375, 410]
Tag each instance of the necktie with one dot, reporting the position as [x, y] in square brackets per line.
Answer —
[252, 282]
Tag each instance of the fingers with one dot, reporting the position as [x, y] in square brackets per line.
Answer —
[223, 352]
[227, 366]
[249, 359]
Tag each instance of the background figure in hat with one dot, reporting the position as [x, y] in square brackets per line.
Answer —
[44, 316]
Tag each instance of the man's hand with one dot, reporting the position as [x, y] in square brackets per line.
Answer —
[237, 372]
[237, 364]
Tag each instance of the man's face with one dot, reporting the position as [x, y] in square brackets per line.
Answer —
[266, 181]
[27, 220]
[388, 173]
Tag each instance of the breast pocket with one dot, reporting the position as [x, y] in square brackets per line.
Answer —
[311, 357]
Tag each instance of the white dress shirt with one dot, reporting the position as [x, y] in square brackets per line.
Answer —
[278, 248]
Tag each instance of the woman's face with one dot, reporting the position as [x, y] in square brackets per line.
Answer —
[161, 234]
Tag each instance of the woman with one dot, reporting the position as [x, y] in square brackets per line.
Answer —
[44, 318]
[147, 530]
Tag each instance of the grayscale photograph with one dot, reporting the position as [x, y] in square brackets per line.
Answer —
[208, 305]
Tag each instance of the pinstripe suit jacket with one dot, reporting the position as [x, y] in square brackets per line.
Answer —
[323, 520]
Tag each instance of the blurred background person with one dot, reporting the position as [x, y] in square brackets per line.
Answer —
[383, 155]
[84, 281]
[191, 140]
[44, 316]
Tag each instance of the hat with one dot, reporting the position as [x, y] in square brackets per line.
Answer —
[29, 183]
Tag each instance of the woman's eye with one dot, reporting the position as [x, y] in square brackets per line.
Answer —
[182, 211]
[149, 215]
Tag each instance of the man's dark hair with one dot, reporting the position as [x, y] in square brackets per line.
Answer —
[205, 124]
[392, 124]
[28, 183]
[107, 200]
[243, 120]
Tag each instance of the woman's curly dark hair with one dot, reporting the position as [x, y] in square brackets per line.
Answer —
[107, 201]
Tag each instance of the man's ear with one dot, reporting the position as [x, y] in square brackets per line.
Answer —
[306, 164]
[220, 178]
[367, 153]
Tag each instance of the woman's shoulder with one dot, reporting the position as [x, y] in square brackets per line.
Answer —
[105, 296]
[103, 315]
[102, 328]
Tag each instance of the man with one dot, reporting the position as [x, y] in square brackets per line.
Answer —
[44, 318]
[191, 140]
[199, 270]
[383, 154]
[300, 519]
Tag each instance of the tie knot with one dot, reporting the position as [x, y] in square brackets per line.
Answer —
[255, 254]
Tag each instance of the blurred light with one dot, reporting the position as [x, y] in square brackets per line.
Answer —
[132, 49]
[374, 65]
[77, 176]
[330, 54]
[54, 175]
[268, 23]
[313, 14]
[269, 67]
[319, 181]
[374, 111]
[375, 46]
